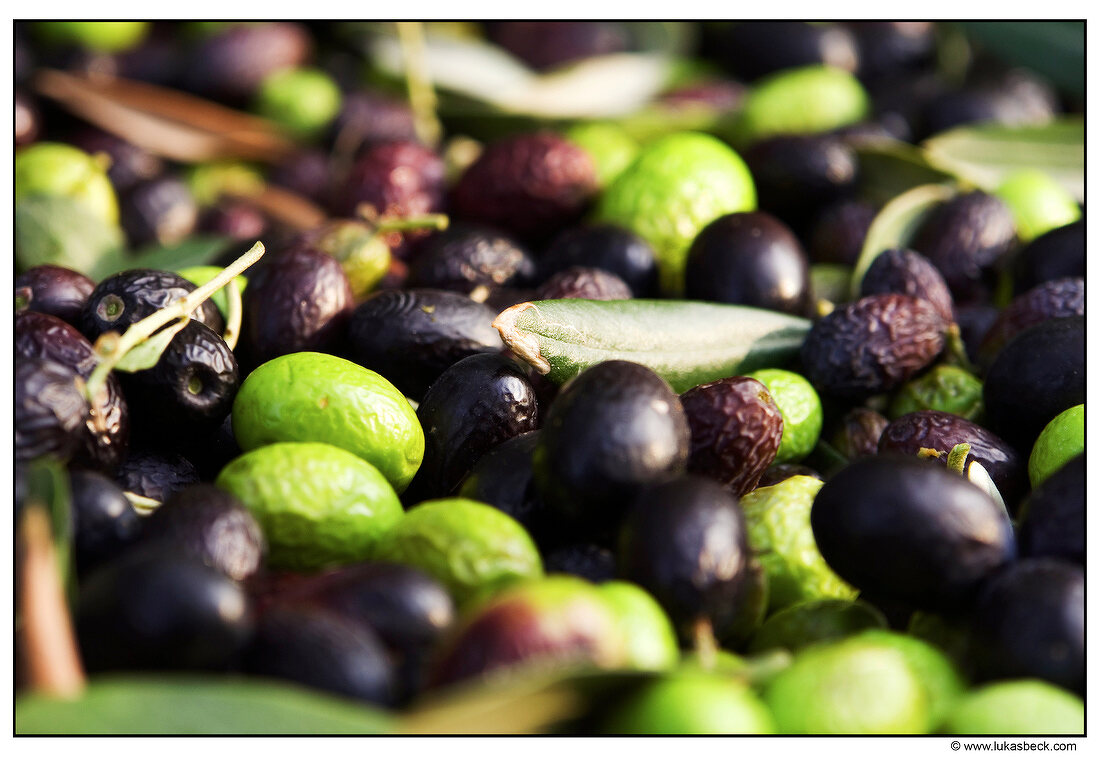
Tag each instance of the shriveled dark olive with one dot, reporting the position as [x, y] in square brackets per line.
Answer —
[1055, 255]
[156, 475]
[872, 345]
[49, 410]
[464, 258]
[735, 431]
[411, 336]
[1057, 298]
[589, 561]
[53, 290]
[1052, 519]
[900, 271]
[583, 283]
[125, 298]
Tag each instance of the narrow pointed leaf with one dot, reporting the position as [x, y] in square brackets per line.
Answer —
[146, 354]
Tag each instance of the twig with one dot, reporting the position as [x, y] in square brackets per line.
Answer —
[422, 98]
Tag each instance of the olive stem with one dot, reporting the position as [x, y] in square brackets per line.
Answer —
[233, 316]
[956, 458]
[956, 349]
[430, 221]
[705, 644]
[422, 98]
[112, 348]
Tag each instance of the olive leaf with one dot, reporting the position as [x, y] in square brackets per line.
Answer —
[61, 231]
[191, 705]
[146, 354]
[887, 168]
[196, 250]
[896, 223]
[1055, 49]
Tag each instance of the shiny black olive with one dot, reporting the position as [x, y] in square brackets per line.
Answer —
[465, 258]
[53, 290]
[1055, 255]
[609, 248]
[1057, 298]
[125, 298]
[796, 176]
[104, 521]
[1052, 519]
[589, 561]
[49, 410]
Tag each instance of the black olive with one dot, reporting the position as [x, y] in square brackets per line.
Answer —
[901, 271]
[1037, 375]
[890, 48]
[477, 403]
[613, 429]
[156, 475]
[211, 453]
[231, 64]
[464, 258]
[782, 471]
[305, 173]
[237, 220]
[53, 290]
[411, 336]
[1052, 519]
[687, 544]
[838, 233]
[504, 478]
[104, 521]
[157, 610]
[752, 49]
[367, 118]
[608, 248]
[909, 530]
[974, 322]
[213, 526]
[1055, 255]
[125, 298]
[859, 433]
[130, 164]
[589, 561]
[1057, 298]
[583, 283]
[1029, 622]
[49, 410]
[159, 211]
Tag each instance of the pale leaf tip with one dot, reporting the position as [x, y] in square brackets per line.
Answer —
[524, 345]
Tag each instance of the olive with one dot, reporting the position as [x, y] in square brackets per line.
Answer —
[477, 403]
[300, 301]
[321, 650]
[213, 526]
[890, 48]
[125, 298]
[53, 290]
[104, 521]
[901, 271]
[211, 452]
[859, 433]
[1056, 298]
[838, 232]
[238, 220]
[1052, 519]
[130, 164]
[548, 44]
[749, 259]
[305, 173]
[974, 322]
[465, 258]
[1037, 375]
[736, 428]
[686, 543]
[156, 475]
[1057, 254]
[231, 64]
[583, 283]
[1029, 622]
[612, 429]
[911, 531]
[798, 175]
[933, 429]
[28, 119]
[609, 248]
[1014, 100]
[368, 118]
[780, 472]
[752, 49]
[588, 561]
[411, 336]
[157, 610]
[966, 238]
[49, 410]
[190, 390]
[872, 345]
[504, 478]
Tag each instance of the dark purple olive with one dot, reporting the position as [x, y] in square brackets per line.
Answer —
[933, 429]
[53, 290]
[213, 526]
[686, 543]
[589, 561]
[411, 336]
[899, 271]
[859, 433]
[107, 429]
[583, 283]
[368, 118]
[909, 530]
[974, 322]
[608, 248]
[752, 49]
[613, 429]
[130, 164]
[320, 650]
[798, 175]
[125, 298]
[1058, 298]
[838, 233]
[1052, 519]
[1029, 622]
[891, 48]
[234, 219]
[872, 345]
[1037, 375]
[159, 211]
[966, 238]
[547, 44]
[735, 431]
[476, 404]
[104, 521]
[468, 258]
[749, 259]
[1055, 255]
[298, 301]
[156, 475]
[231, 64]
[28, 119]
[305, 173]
[49, 410]
[160, 610]
[1015, 99]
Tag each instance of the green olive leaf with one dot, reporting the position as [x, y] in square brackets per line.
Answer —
[193, 251]
[146, 354]
[1055, 49]
[192, 705]
[887, 168]
[896, 223]
[62, 231]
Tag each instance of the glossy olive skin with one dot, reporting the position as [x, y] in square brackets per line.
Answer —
[749, 259]
[121, 300]
[1057, 298]
[933, 429]
[1057, 254]
[477, 403]
[504, 478]
[909, 530]
[411, 336]
[1052, 520]
[1029, 622]
[299, 301]
[798, 175]
[753, 49]
[158, 211]
[104, 521]
[464, 258]
[903, 271]
[157, 610]
[612, 429]
[608, 248]
[53, 290]
[589, 561]
[686, 543]
[321, 650]
[106, 432]
[155, 475]
[213, 526]
[1037, 375]
[49, 410]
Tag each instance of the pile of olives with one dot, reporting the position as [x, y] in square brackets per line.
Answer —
[335, 473]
